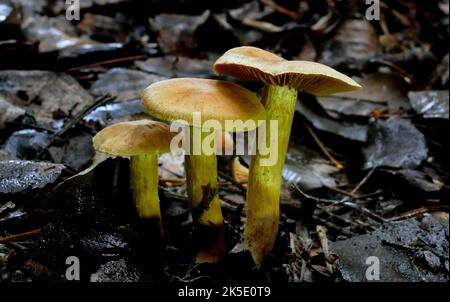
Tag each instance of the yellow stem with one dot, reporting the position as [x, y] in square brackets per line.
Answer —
[144, 182]
[264, 184]
[202, 189]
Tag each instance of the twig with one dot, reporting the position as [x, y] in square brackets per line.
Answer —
[417, 212]
[346, 203]
[184, 279]
[322, 147]
[343, 192]
[280, 9]
[353, 196]
[75, 120]
[359, 185]
[21, 236]
[107, 62]
[80, 115]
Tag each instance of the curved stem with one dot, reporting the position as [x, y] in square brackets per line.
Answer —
[263, 195]
[202, 189]
[144, 182]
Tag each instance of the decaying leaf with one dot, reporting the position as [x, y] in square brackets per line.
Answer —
[41, 93]
[17, 176]
[394, 143]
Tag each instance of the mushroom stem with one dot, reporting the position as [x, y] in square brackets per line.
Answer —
[202, 189]
[144, 182]
[263, 195]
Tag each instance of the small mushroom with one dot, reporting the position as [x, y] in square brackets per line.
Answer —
[220, 101]
[282, 79]
[142, 141]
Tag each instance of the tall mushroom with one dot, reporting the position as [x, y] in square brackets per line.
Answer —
[282, 79]
[142, 141]
[219, 101]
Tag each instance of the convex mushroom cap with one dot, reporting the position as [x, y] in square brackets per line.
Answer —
[177, 99]
[134, 138]
[255, 64]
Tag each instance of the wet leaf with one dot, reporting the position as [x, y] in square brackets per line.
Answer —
[113, 113]
[383, 92]
[75, 153]
[353, 45]
[176, 32]
[26, 144]
[394, 143]
[338, 106]
[103, 28]
[415, 179]
[307, 169]
[41, 93]
[125, 84]
[322, 122]
[430, 104]
[52, 33]
[123, 270]
[177, 66]
[399, 248]
[18, 176]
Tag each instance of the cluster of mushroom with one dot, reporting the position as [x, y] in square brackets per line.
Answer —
[178, 99]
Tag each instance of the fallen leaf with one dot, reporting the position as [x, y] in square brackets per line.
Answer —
[399, 248]
[355, 42]
[125, 84]
[394, 143]
[17, 175]
[41, 93]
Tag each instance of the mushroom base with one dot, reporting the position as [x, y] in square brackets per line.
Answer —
[202, 189]
[264, 185]
[144, 183]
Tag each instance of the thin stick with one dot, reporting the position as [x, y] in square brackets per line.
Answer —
[280, 8]
[347, 204]
[322, 147]
[343, 192]
[417, 212]
[119, 60]
[21, 236]
[75, 120]
[363, 181]
[359, 185]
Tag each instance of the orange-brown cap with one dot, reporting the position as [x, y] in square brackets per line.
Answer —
[178, 99]
[255, 64]
[134, 138]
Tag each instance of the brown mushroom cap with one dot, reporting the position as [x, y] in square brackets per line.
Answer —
[177, 99]
[134, 138]
[254, 64]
